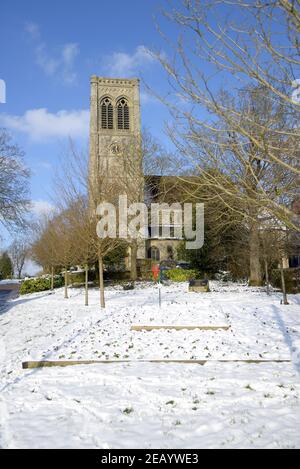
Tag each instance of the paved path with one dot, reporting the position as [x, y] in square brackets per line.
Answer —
[8, 291]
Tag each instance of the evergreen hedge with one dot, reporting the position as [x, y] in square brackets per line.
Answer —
[39, 284]
[181, 275]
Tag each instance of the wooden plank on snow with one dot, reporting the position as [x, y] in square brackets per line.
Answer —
[138, 327]
[50, 363]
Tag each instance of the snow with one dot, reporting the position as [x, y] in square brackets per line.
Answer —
[147, 405]
[9, 281]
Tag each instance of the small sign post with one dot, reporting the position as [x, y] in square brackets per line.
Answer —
[159, 294]
[156, 275]
[155, 271]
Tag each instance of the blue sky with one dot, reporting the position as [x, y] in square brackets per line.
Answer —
[48, 51]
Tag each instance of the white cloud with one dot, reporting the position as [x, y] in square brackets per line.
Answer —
[69, 53]
[123, 64]
[32, 29]
[41, 207]
[60, 64]
[47, 64]
[40, 124]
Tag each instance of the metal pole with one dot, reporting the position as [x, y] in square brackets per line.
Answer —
[159, 294]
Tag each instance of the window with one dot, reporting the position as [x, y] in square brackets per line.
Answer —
[153, 253]
[107, 114]
[294, 261]
[170, 252]
[123, 114]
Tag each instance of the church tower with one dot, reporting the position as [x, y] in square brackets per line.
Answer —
[115, 165]
[115, 137]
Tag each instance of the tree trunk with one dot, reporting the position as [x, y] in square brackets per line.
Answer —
[22, 262]
[267, 277]
[52, 278]
[284, 301]
[101, 282]
[66, 283]
[133, 260]
[255, 267]
[86, 285]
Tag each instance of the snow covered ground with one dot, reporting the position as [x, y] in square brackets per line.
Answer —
[146, 405]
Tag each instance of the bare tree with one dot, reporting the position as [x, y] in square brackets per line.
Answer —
[259, 42]
[275, 243]
[63, 236]
[157, 161]
[14, 178]
[235, 120]
[83, 234]
[43, 248]
[19, 250]
[77, 195]
[233, 172]
[103, 189]
[215, 53]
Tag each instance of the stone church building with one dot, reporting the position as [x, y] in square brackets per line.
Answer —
[116, 160]
[116, 157]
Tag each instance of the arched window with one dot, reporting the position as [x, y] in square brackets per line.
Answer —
[107, 114]
[170, 252]
[153, 253]
[123, 114]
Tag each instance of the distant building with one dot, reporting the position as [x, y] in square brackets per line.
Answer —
[294, 257]
[116, 158]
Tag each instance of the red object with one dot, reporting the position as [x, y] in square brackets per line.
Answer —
[155, 271]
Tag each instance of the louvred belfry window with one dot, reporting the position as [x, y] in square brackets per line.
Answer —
[123, 114]
[107, 114]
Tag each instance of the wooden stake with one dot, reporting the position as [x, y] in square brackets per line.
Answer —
[178, 328]
[86, 285]
[285, 301]
[101, 282]
[66, 283]
[267, 276]
[52, 278]
[46, 363]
